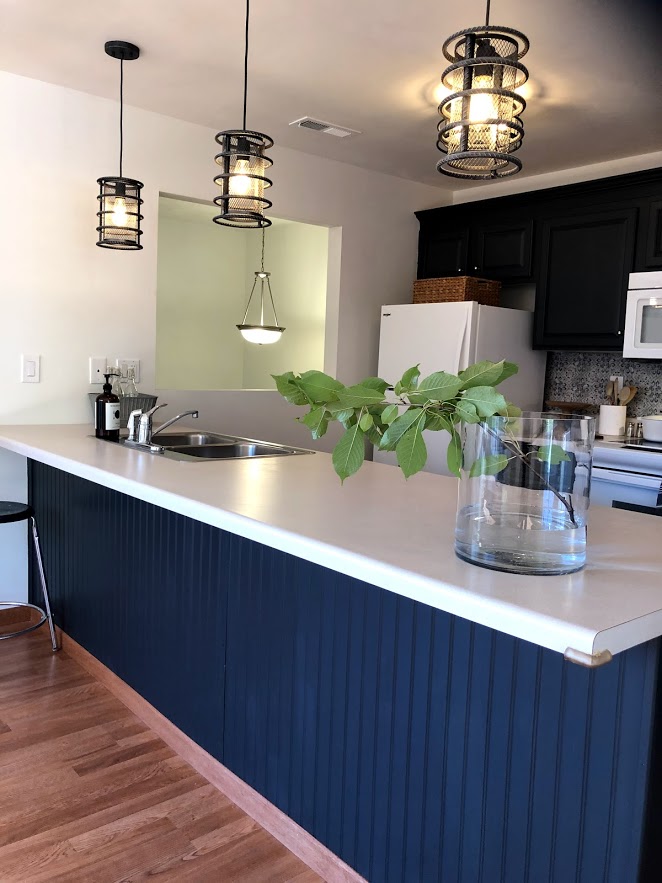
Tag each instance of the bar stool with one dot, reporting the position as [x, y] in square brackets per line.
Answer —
[10, 512]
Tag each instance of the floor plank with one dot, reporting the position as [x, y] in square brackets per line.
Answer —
[89, 794]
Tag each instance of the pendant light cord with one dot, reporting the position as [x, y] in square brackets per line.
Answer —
[262, 267]
[487, 14]
[246, 61]
[121, 112]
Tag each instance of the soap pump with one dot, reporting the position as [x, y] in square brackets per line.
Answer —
[107, 412]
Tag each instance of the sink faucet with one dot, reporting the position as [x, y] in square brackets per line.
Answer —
[145, 425]
[172, 420]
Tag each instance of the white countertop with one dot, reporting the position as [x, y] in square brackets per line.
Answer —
[393, 533]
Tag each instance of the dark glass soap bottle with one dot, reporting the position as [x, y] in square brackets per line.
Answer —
[107, 413]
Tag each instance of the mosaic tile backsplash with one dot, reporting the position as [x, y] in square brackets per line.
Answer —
[582, 377]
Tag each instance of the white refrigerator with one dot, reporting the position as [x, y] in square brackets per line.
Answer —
[451, 336]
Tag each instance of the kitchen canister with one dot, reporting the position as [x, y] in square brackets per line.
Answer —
[612, 420]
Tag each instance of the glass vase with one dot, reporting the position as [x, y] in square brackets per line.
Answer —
[524, 494]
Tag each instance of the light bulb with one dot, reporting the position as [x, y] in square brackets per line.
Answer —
[119, 215]
[482, 107]
[240, 182]
[257, 334]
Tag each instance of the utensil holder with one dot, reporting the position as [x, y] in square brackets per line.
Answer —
[612, 419]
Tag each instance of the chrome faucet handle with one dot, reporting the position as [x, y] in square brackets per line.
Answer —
[131, 424]
[145, 425]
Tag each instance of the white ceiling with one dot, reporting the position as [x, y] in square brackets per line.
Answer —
[371, 65]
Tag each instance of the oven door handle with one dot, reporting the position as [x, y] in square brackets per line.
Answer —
[630, 479]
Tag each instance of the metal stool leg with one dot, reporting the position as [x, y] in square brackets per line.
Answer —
[44, 587]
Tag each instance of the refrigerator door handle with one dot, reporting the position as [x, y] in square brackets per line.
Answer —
[464, 354]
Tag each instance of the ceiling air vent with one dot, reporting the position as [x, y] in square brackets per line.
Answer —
[325, 128]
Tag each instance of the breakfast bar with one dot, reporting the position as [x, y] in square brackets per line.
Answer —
[413, 712]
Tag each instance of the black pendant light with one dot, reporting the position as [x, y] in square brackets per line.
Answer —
[119, 198]
[481, 126]
[261, 333]
[243, 163]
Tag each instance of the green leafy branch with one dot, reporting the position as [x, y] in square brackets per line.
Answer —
[438, 402]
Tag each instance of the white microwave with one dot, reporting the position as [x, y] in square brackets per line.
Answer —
[643, 317]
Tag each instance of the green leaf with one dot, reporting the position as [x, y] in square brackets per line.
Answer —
[439, 387]
[490, 465]
[484, 373]
[398, 428]
[287, 386]
[486, 400]
[389, 414]
[357, 396]
[319, 387]
[375, 383]
[366, 422]
[454, 454]
[437, 422]
[509, 368]
[410, 377]
[552, 454]
[316, 420]
[374, 436]
[410, 450]
[511, 410]
[467, 412]
[348, 454]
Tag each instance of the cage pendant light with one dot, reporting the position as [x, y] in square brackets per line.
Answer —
[261, 333]
[119, 197]
[243, 163]
[480, 127]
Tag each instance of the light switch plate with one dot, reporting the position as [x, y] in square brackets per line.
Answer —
[30, 368]
[98, 365]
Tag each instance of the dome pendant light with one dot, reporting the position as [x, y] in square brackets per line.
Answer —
[243, 163]
[261, 333]
[119, 198]
[480, 127]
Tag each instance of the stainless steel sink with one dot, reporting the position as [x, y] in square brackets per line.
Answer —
[200, 446]
[236, 451]
[177, 439]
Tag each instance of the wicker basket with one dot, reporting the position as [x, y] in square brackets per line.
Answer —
[453, 289]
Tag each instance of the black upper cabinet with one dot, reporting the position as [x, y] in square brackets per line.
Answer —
[583, 273]
[578, 243]
[649, 243]
[502, 251]
[443, 252]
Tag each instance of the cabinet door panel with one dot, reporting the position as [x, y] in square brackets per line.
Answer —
[653, 237]
[585, 262]
[443, 253]
[502, 251]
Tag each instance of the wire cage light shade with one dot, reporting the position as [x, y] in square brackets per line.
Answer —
[119, 213]
[480, 127]
[119, 197]
[242, 181]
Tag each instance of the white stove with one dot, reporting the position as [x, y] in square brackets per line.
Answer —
[627, 474]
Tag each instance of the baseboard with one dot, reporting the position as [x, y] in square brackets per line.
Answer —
[282, 827]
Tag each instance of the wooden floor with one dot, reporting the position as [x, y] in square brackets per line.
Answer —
[89, 793]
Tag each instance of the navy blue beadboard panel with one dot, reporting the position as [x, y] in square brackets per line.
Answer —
[139, 588]
[419, 747]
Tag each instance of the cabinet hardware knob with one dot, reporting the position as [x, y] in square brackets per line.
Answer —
[620, 332]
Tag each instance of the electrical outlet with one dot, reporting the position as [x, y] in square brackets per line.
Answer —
[98, 367]
[123, 364]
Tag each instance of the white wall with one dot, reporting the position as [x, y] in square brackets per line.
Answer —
[201, 281]
[296, 255]
[66, 299]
